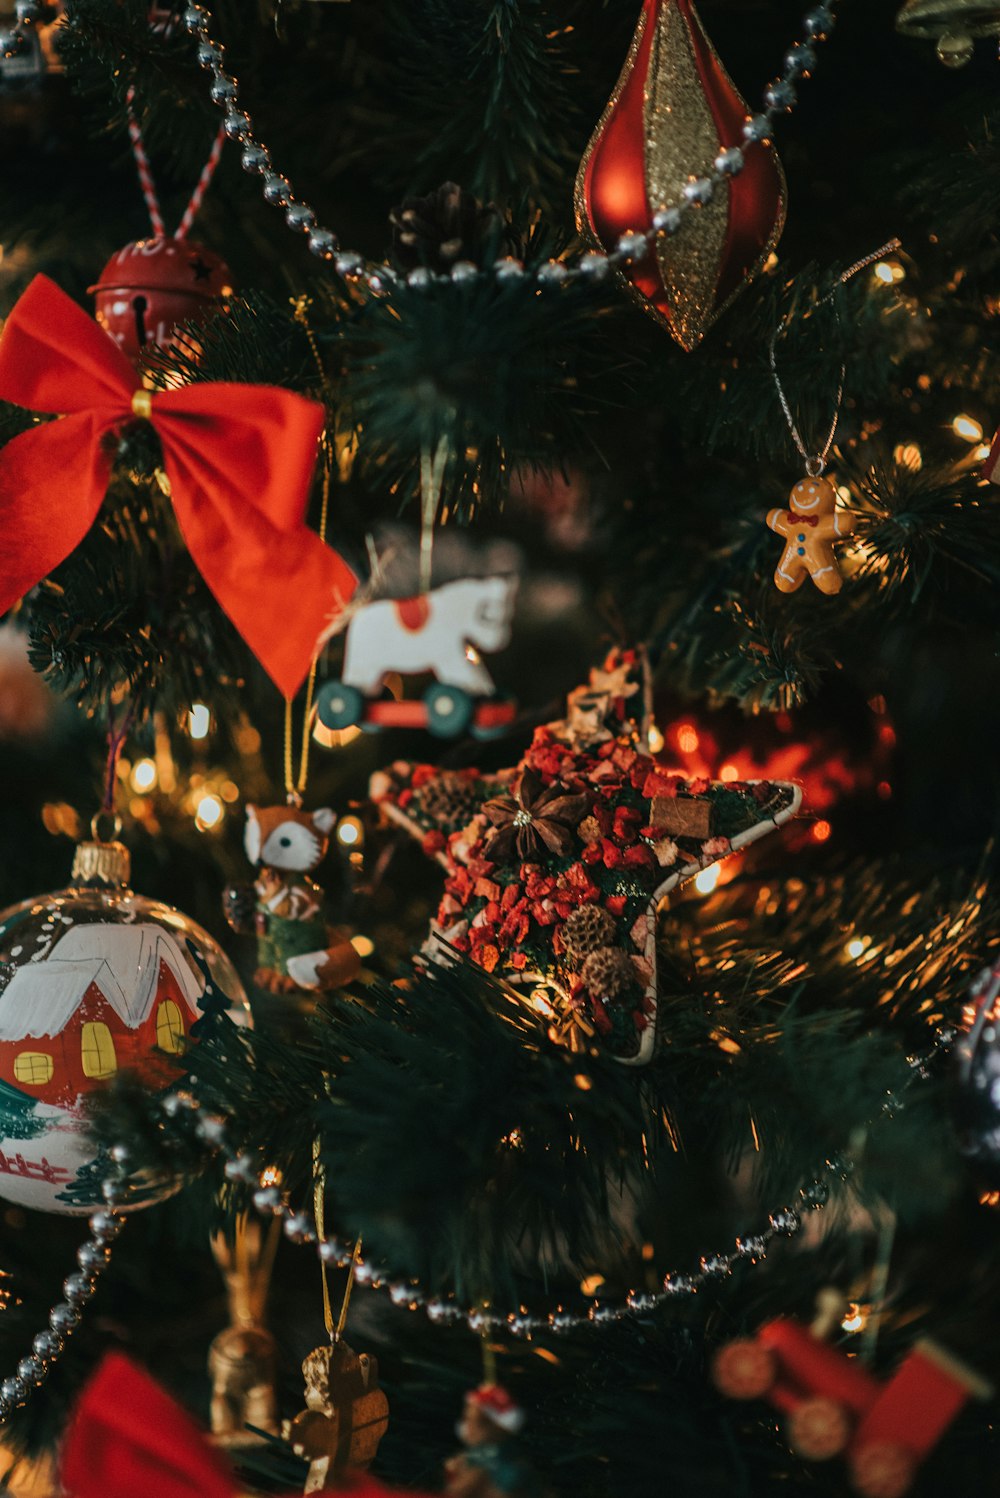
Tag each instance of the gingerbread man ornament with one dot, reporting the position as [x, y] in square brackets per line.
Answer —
[809, 527]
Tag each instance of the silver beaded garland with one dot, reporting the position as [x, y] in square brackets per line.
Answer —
[300, 217]
[594, 267]
[209, 54]
[91, 1256]
[323, 243]
[758, 129]
[349, 263]
[667, 220]
[14, 1391]
[32, 1371]
[730, 163]
[267, 1199]
[64, 1317]
[780, 95]
[276, 189]
[800, 61]
[819, 22]
[236, 125]
[508, 269]
[444, 1311]
[79, 1288]
[255, 158]
[699, 190]
[223, 90]
[632, 246]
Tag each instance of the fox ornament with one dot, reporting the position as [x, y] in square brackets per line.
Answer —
[296, 949]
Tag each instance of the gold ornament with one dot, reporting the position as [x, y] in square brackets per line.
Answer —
[242, 1358]
[345, 1418]
[953, 24]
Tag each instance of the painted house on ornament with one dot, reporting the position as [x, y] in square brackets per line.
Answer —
[105, 997]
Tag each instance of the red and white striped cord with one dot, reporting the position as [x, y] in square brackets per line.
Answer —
[207, 173]
[149, 186]
[142, 167]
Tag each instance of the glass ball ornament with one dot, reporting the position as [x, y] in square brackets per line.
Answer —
[94, 979]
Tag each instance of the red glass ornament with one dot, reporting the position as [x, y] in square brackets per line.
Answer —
[150, 286]
[673, 110]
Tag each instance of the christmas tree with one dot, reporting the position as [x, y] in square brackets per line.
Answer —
[498, 523]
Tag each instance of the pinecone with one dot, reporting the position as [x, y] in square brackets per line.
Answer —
[451, 801]
[608, 973]
[588, 928]
[446, 226]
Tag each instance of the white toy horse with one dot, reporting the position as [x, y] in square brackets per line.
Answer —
[433, 632]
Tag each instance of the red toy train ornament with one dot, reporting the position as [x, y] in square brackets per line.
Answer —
[833, 1404]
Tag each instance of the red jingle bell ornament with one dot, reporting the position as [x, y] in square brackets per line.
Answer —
[674, 112]
[152, 285]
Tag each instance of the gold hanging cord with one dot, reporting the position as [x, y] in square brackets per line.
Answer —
[334, 1329]
[432, 467]
[295, 784]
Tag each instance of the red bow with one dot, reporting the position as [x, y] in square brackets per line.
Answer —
[239, 459]
[794, 518]
[128, 1439]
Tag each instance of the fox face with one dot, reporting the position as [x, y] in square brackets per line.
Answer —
[282, 837]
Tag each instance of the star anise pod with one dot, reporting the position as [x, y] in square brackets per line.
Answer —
[536, 819]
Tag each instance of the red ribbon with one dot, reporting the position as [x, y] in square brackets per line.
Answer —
[128, 1439]
[794, 518]
[239, 459]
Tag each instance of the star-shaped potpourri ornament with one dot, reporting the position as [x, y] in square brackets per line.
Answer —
[555, 867]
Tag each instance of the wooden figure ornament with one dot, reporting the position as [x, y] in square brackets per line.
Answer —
[441, 631]
[492, 1463]
[295, 946]
[345, 1418]
[810, 525]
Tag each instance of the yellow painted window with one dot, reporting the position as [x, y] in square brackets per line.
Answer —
[97, 1050]
[169, 1027]
[34, 1068]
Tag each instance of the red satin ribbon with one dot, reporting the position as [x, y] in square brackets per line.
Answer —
[239, 459]
[128, 1439]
